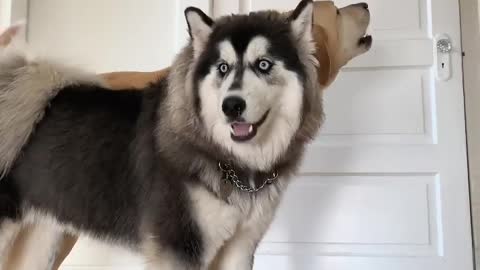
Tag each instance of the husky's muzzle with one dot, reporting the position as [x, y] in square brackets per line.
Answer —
[240, 130]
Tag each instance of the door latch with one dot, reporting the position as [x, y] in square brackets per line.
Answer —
[444, 49]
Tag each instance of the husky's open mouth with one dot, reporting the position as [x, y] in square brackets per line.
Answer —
[242, 131]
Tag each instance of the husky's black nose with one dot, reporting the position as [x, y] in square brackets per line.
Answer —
[233, 106]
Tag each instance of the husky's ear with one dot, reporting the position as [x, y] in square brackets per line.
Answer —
[301, 20]
[199, 28]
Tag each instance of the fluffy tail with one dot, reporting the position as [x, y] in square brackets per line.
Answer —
[26, 87]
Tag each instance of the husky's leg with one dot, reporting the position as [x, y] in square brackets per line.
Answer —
[161, 259]
[8, 232]
[35, 247]
[238, 252]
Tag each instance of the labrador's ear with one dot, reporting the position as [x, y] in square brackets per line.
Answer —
[323, 55]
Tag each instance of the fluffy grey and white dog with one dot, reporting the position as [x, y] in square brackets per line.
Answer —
[194, 164]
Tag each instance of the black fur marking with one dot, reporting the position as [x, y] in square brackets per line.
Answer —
[237, 80]
[9, 200]
[94, 163]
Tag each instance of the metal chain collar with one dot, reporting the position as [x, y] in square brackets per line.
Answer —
[231, 176]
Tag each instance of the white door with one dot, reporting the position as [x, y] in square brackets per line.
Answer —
[385, 185]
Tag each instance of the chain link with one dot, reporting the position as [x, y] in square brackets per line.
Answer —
[231, 176]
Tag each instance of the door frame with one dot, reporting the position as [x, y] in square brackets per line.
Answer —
[470, 27]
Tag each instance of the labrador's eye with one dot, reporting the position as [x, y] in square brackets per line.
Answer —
[223, 68]
[264, 65]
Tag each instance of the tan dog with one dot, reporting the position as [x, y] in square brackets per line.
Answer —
[339, 35]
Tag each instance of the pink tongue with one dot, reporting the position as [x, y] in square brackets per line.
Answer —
[241, 129]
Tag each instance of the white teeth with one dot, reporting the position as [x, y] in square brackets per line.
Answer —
[250, 129]
[232, 130]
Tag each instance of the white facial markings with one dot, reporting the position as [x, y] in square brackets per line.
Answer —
[211, 96]
[257, 48]
[258, 95]
[210, 99]
[256, 91]
[227, 52]
[279, 92]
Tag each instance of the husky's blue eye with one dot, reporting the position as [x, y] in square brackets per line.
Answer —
[264, 65]
[223, 68]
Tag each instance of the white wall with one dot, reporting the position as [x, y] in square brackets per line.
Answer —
[94, 33]
[5, 8]
[471, 45]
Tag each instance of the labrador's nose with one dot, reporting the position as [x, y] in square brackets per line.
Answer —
[363, 5]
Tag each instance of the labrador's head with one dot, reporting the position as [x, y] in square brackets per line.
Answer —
[340, 35]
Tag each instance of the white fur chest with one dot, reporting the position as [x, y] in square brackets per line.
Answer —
[219, 221]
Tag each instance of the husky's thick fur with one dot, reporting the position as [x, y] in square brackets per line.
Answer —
[27, 85]
[142, 168]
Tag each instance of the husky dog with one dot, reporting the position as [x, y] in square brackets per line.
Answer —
[195, 163]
